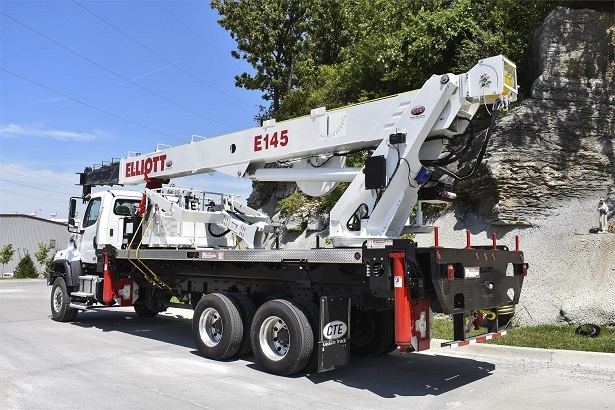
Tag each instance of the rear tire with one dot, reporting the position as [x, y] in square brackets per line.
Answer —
[371, 332]
[217, 327]
[247, 310]
[60, 302]
[310, 309]
[282, 338]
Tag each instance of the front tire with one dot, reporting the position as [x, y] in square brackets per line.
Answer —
[217, 327]
[282, 338]
[143, 311]
[60, 302]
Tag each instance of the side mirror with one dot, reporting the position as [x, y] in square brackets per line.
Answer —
[72, 211]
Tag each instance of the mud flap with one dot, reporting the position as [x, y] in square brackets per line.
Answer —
[334, 334]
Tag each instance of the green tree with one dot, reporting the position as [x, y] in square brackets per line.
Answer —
[268, 35]
[25, 269]
[291, 204]
[43, 257]
[6, 254]
[338, 52]
[327, 32]
[455, 35]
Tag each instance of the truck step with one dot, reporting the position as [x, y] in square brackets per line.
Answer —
[89, 277]
[82, 295]
[79, 305]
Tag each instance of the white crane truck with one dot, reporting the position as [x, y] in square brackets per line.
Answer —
[367, 292]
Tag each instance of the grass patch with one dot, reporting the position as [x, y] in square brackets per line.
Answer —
[443, 329]
[559, 337]
[542, 337]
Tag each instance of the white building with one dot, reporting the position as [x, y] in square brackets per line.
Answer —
[25, 232]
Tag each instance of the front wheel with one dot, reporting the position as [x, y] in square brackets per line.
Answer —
[144, 311]
[282, 338]
[60, 302]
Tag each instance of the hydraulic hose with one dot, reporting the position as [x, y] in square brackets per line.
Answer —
[451, 156]
[483, 149]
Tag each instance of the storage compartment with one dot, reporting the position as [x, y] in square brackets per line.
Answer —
[87, 284]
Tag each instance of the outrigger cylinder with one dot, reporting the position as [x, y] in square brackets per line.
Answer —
[403, 313]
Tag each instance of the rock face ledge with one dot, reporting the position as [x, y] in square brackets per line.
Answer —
[549, 161]
[558, 144]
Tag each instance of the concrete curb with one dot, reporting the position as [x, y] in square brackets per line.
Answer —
[568, 357]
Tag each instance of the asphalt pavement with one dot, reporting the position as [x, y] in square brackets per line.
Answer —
[111, 358]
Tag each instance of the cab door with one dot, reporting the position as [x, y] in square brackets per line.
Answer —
[89, 227]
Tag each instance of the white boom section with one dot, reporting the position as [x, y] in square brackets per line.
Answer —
[179, 218]
[385, 213]
[441, 107]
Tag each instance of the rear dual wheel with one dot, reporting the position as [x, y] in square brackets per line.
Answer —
[282, 337]
[279, 333]
[371, 332]
[221, 325]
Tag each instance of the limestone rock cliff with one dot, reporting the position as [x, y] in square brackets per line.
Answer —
[549, 161]
[558, 144]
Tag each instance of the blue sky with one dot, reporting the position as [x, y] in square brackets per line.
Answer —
[82, 82]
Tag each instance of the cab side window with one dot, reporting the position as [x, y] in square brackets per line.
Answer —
[125, 207]
[92, 212]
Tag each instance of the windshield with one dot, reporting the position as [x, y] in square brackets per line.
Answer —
[91, 213]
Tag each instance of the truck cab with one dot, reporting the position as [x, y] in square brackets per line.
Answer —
[102, 224]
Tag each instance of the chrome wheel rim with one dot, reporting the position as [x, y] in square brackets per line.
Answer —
[274, 338]
[210, 327]
[57, 299]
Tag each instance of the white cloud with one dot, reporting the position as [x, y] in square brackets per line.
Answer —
[24, 189]
[39, 131]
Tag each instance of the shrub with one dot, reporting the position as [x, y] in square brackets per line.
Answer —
[291, 204]
[43, 257]
[25, 269]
